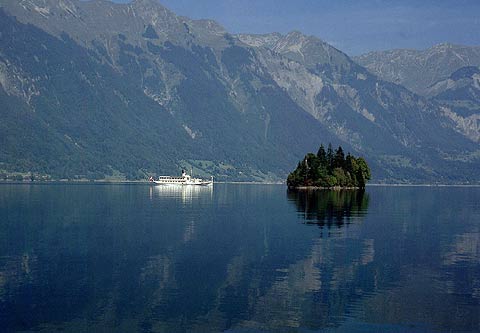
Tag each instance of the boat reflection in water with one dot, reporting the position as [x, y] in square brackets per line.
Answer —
[327, 208]
[101, 258]
[186, 193]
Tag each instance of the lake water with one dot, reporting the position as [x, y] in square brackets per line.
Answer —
[238, 258]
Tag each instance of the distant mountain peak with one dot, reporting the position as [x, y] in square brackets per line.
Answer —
[210, 26]
[293, 41]
[260, 40]
[146, 2]
[419, 70]
[443, 46]
[150, 5]
[295, 34]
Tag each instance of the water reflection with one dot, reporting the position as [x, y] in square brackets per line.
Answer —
[328, 208]
[149, 259]
[185, 193]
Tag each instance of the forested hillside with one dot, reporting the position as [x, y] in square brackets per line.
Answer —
[93, 89]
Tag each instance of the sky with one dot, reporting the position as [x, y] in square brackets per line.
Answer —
[353, 26]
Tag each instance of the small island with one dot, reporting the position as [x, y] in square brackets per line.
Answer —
[330, 170]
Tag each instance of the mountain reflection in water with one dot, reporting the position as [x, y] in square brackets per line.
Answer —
[130, 258]
[326, 208]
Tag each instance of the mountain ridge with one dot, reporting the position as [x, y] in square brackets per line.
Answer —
[237, 106]
[419, 69]
[429, 73]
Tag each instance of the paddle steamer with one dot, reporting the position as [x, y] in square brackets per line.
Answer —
[185, 179]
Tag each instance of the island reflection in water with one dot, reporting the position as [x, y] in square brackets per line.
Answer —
[106, 258]
[327, 208]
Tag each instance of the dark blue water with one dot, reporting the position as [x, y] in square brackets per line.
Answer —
[238, 258]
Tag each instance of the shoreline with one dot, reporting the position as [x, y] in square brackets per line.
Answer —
[114, 182]
[333, 188]
[142, 182]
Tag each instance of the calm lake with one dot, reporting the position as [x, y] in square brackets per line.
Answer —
[238, 258]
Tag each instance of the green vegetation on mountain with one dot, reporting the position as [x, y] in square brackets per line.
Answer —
[125, 91]
[88, 121]
[330, 169]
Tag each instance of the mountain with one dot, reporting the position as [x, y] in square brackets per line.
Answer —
[93, 88]
[418, 70]
[460, 97]
[439, 74]
[384, 121]
[463, 84]
[100, 88]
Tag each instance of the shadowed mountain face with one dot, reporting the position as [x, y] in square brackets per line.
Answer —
[100, 88]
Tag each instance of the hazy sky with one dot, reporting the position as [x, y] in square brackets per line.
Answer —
[354, 26]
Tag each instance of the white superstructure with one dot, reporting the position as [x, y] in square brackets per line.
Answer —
[185, 179]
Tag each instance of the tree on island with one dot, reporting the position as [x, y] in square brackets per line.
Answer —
[330, 169]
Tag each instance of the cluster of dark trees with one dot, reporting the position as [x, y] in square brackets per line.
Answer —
[330, 169]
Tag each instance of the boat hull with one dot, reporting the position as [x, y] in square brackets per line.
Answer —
[208, 183]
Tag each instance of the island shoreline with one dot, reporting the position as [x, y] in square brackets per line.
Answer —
[333, 188]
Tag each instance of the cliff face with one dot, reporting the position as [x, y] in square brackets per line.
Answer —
[98, 88]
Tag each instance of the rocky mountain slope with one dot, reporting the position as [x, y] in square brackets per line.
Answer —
[463, 84]
[374, 116]
[418, 70]
[441, 73]
[94, 88]
[460, 97]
